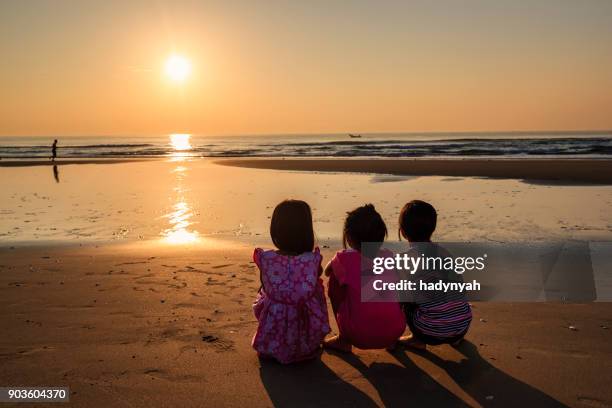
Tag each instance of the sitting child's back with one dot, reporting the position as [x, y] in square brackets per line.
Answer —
[435, 315]
[367, 324]
[290, 305]
[291, 308]
[435, 318]
[364, 323]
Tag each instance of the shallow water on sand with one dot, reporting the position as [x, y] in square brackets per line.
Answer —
[190, 201]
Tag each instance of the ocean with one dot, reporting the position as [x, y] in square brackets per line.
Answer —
[513, 144]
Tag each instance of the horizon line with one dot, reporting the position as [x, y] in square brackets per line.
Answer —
[463, 132]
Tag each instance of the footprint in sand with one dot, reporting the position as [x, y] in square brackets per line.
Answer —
[249, 266]
[131, 263]
[148, 275]
[172, 332]
[211, 282]
[190, 269]
[219, 344]
[221, 266]
[167, 375]
[26, 352]
[179, 286]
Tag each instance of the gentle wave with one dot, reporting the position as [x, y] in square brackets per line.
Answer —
[99, 146]
[395, 146]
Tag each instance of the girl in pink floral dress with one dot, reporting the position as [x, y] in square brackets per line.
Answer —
[290, 305]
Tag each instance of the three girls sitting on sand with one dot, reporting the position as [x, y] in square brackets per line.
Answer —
[291, 308]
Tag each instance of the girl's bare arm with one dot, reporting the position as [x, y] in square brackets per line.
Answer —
[328, 269]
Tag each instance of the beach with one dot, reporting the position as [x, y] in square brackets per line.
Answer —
[141, 325]
[132, 284]
[216, 204]
[560, 170]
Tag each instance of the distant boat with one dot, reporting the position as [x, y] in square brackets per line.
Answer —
[354, 136]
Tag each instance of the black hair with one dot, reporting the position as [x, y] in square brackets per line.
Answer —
[417, 221]
[291, 227]
[363, 224]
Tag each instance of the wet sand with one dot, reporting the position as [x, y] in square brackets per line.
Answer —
[142, 325]
[182, 200]
[563, 170]
[63, 162]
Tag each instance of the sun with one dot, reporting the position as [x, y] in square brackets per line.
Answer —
[178, 68]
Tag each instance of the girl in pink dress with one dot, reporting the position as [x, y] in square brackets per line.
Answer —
[365, 325]
[290, 305]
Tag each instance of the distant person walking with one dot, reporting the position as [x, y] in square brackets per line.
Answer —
[54, 150]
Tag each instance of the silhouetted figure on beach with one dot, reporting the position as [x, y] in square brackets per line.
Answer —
[56, 173]
[54, 150]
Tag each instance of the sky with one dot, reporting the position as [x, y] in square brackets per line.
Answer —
[265, 67]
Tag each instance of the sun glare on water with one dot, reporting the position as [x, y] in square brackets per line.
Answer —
[178, 68]
[180, 145]
[180, 141]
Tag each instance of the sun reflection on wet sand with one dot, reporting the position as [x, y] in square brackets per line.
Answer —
[179, 219]
[181, 227]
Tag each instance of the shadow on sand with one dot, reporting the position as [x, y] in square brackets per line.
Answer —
[309, 384]
[314, 383]
[485, 383]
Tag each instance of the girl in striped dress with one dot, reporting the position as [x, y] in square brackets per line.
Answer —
[437, 318]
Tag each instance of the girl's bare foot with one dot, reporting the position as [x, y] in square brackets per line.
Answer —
[412, 342]
[336, 343]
